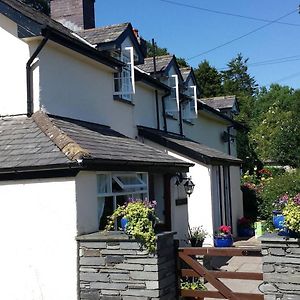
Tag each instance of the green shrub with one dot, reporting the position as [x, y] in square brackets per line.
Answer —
[288, 183]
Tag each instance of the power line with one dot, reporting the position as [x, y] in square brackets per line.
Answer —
[242, 36]
[270, 62]
[287, 77]
[225, 13]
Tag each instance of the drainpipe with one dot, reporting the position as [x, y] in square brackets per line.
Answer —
[180, 119]
[164, 110]
[228, 133]
[156, 93]
[28, 75]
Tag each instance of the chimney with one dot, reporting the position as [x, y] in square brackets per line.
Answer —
[74, 14]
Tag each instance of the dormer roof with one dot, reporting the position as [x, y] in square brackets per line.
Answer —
[112, 36]
[223, 102]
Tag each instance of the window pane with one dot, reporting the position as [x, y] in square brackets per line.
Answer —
[107, 210]
[104, 183]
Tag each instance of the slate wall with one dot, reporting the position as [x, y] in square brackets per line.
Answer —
[114, 267]
[281, 267]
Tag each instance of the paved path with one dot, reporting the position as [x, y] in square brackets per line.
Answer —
[240, 264]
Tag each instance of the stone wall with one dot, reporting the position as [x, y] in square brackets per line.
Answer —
[114, 267]
[281, 267]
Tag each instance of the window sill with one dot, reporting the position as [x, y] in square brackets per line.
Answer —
[170, 116]
[120, 99]
[188, 122]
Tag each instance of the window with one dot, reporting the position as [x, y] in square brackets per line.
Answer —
[172, 102]
[124, 80]
[189, 110]
[115, 189]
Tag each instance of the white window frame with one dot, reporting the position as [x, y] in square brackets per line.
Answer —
[125, 78]
[174, 101]
[113, 176]
[190, 110]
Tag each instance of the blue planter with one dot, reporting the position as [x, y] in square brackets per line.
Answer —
[124, 223]
[278, 222]
[223, 241]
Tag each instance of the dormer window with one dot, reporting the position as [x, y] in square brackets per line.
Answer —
[124, 80]
[172, 102]
[189, 110]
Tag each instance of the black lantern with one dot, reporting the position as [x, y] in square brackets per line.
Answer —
[189, 186]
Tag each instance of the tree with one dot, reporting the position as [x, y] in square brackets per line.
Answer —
[276, 125]
[158, 50]
[237, 80]
[209, 80]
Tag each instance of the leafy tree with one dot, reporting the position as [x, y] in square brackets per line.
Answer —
[276, 126]
[182, 63]
[237, 80]
[158, 50]
[41, 5]
[209, 80]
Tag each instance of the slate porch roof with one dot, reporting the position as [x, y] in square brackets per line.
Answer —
[42, 140]
[188, 147]
[220, 102]
[185, 72]
[104, 34]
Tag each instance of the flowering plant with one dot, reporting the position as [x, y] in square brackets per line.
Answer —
[281, 202]
[198, 233]
[224, 230]
[140, 216]
[291, 212]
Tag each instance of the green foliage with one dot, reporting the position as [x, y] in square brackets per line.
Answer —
[276, 125]
[236, 79]
[198, 233]
[209, 80]
[140, 216]
[193, 284]
[288, 183]
[158, 50]
[40, 5]
[182, 63]
[291, 214]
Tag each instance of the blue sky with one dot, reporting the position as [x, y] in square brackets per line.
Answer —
[187, 32]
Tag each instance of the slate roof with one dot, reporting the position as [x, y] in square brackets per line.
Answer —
[161, 63]
[104, 34]
[37, 16]
[220, 102]
[23, 144]
[185, 73]
[42, 140]
[188, 147]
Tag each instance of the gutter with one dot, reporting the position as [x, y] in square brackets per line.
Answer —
[28, 75]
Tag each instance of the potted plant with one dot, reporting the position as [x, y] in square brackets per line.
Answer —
[278, 217]
[223, 237]
[244, 226]
[137, 219]
[291, 213]
[197, 236]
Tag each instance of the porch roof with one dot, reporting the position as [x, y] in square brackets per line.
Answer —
[188, 147]
[52, 142]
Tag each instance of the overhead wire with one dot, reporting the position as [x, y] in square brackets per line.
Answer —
[242, 36]
[225, 13]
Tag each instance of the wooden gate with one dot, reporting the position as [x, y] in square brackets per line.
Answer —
[196, 269]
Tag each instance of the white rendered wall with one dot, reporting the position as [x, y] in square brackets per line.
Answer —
[200, 202]
[13, 58]
[207, 129]
[38, 253]
[86, 202]
[77, 87]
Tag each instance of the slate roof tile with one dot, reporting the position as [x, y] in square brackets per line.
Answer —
[188, 147]
[161, 63]
[222, 102]
[104, 34]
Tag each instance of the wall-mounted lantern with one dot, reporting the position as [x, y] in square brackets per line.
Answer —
[188, 185]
